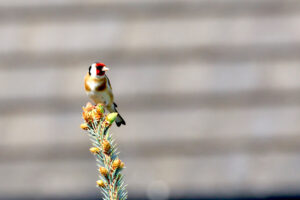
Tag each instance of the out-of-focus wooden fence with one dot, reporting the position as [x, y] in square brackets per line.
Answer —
[210, 91]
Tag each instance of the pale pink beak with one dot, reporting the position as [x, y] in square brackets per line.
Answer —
[105, 68]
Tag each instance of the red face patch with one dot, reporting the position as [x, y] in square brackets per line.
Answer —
[99, 67]
[100, 64]
[98, 71]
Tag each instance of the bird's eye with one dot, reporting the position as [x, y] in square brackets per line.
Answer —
[99, 71]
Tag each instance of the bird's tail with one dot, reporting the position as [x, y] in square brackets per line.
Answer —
[119, 120]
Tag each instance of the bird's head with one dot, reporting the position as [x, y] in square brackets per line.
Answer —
[98, 70]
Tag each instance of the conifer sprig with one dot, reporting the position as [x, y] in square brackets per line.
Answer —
[97, 124]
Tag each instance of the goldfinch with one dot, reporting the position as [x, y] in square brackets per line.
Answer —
[98, 88]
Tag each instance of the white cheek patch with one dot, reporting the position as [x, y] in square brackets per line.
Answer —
[93, 70]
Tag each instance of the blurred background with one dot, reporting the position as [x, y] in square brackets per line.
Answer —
[210, 91]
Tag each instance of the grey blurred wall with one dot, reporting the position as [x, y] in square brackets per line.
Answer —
[210, 90]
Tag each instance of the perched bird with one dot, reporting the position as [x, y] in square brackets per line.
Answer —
[98, 88]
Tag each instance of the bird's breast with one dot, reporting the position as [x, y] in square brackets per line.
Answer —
[98, 91]
[92, 84]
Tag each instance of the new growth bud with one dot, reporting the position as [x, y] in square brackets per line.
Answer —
[116, 163]
[94, 150]
[122, 165]
[100, 183]
[95, 115]
[106, 146]
[100, 109]
[103, 171]
[84, 126]
[111, 117]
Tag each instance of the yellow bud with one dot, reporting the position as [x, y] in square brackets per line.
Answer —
[122, 165]
[103, 171]
[95, 115]
[100, 183]
[87, 116]
[100, 109]
[84, 126]
[116, 164]
[111, 117]
[94, 150]
[88, 107]
[106, 146]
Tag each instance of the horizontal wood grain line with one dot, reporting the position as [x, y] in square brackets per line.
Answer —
[49, 37]
[192, 148]
[153, 10]
[145, 56]
[87, 195]
[223, 100]
[255, 174]
[259, 174]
